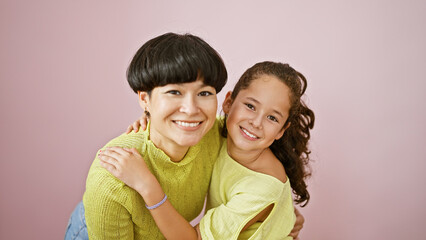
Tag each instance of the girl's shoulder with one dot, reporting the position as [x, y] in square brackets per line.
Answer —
[270, 165]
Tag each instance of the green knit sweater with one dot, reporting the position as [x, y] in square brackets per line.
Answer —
[115, 211]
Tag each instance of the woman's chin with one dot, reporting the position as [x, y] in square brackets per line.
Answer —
[189, 142]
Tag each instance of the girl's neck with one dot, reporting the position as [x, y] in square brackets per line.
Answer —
[245, 158]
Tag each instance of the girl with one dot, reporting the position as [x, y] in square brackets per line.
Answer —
[267, 126]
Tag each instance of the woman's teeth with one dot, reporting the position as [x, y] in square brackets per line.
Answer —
[186, 124]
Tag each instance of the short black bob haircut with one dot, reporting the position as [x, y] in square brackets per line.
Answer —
[172, 59]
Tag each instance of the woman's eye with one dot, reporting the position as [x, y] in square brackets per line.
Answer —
[250, 106]
[174, 92]
[205, 93]
[272, 118]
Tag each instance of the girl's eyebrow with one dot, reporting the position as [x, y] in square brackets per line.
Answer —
[279, 113]
[275, 111]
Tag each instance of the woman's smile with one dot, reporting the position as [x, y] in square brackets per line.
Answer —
[188, 125]
[181, 114]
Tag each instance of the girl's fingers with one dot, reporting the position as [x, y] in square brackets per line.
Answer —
[136, 126]
[142, 123]
[112, 152]
[127, 150]
[109, 160]
[134, 151]
[109, 167]
[131, 151]
[129, 129]
[118, 150]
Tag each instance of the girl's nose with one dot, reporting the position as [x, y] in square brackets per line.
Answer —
[256, 121]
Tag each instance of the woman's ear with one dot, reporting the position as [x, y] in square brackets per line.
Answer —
[143, 98]
[227, 103]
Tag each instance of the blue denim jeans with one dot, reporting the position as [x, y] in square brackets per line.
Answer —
[77, 229]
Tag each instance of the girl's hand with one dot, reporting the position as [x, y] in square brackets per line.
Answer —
[128, 166]
[138, 124]
[298, 225]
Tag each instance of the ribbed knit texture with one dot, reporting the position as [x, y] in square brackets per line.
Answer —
[115, 211]
[237, 194]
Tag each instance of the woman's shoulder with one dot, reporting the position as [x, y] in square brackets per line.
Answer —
[131, 140]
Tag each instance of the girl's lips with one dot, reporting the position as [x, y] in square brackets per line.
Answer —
[248, 134]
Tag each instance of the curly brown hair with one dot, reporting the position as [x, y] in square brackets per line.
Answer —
[292, 148]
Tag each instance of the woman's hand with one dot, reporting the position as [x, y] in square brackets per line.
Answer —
[298, 225]
[138, 124]
[128, 166]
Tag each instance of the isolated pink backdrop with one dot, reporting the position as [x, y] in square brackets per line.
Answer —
[64, 94]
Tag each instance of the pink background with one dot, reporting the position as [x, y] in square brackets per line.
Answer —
[64, 95]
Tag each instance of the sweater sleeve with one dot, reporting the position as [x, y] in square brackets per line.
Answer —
[108, 201]
[106, 206]
[227, 220]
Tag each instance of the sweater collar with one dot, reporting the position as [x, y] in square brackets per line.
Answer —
[159, 157]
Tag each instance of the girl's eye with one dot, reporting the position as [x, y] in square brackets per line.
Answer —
[205, 93]
[173, 92]
[250, 106]
[272, 118]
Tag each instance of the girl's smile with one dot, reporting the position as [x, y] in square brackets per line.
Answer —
[257, 115]
[250, 136]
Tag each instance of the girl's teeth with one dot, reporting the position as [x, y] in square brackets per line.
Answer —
[186, 124]
[249, 134]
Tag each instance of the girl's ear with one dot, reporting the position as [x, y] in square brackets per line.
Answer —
[143, 99]
[281, 132]
[227, 103]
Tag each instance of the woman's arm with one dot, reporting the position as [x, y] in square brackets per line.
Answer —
[128, 166]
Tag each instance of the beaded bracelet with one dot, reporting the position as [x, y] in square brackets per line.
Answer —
[158, 204]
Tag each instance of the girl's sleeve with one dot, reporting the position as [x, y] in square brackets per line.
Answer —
[227, 220]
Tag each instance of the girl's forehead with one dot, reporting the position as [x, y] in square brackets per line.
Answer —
[267, 90]
[268, 83]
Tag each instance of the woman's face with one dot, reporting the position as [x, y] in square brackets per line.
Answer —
[181, 114]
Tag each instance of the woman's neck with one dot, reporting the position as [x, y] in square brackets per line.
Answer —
[174, 151]
[176, 154]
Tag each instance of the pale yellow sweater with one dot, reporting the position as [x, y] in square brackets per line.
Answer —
[237, 194]
[115, 211]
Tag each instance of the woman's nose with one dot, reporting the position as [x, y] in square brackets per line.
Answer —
[189, 105]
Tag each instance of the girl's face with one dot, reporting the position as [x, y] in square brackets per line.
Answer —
[180, 114]
[257, 115]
